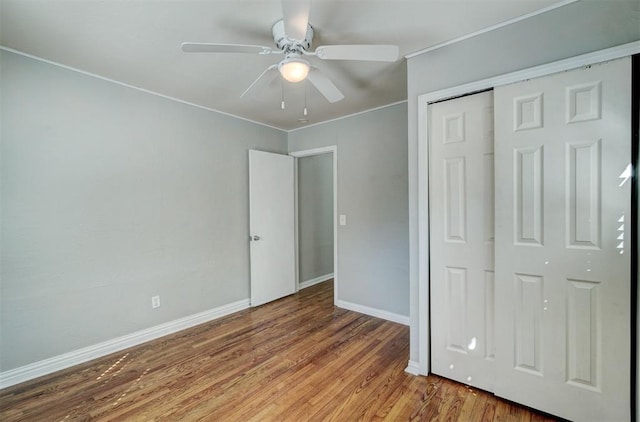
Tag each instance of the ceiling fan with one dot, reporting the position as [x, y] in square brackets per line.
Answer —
[293, 37]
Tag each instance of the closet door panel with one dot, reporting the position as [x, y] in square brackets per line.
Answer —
[562, 276]
[462, 239]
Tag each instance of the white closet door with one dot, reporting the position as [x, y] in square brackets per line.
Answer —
[563, 148]
[462, 239]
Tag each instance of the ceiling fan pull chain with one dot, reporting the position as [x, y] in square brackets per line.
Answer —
[282, 102]
[304, 111]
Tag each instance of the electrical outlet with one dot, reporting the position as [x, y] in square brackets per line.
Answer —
[155, 301]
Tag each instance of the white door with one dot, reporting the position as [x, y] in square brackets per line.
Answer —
[271, 225]
[563, 147]
[462, 239]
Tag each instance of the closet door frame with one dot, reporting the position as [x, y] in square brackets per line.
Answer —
[420, 316]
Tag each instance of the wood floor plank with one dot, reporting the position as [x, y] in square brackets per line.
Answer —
[296, 359]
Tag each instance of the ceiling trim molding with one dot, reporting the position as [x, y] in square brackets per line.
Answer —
[347, 116]
[490, 28]
[137, 88]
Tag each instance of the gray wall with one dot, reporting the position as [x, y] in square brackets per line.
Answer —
[315, 216]
[109, 196]
[575, 29]
[373, 260]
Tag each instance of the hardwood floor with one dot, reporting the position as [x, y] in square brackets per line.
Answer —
[296, 359]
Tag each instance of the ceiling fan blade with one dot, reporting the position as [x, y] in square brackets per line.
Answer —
[201, 47]
[325, 86]
[296, 18]
[375, 53]
[262, 82]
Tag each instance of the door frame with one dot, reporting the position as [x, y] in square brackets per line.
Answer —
[333, 150]
[420, 328]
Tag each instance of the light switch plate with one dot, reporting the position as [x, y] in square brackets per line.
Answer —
[343, 219]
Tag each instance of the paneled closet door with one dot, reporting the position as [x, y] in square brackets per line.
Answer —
[461, 239]
[563, 150]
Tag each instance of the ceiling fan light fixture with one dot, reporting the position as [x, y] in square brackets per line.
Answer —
[294, 69]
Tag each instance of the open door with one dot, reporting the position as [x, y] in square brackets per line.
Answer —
[271, 225]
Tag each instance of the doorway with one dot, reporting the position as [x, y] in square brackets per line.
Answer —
[316, 231]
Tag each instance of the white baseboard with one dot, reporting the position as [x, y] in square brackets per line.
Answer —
[413, 368]
[313, 281]
[378, 313]
[66, 360]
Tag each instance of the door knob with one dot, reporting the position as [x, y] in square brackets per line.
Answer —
[255, 237]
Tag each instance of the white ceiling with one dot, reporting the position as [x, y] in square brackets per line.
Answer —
[138, 43]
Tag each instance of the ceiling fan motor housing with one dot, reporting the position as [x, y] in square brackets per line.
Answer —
[287, 44]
